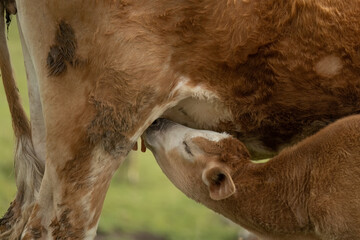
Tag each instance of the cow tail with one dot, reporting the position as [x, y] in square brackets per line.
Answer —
[28, 169]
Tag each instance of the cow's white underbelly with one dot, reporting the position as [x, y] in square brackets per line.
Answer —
[199, 113]
[201, 108]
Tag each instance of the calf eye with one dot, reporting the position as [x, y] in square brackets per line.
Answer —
[187, 148]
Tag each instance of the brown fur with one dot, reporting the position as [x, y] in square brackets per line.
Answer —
[308, 191]
[8, 219]
[272, 93]
[269, 75]
[36, 229]
[63, 229]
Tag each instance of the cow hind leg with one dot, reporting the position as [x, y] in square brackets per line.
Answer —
[28, 168]
[72, 194]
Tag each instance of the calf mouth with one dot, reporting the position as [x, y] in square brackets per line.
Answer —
[158, 126]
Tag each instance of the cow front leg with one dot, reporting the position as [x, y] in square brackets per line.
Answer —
[72, 195]
[83, 152]
[78, 172]
[87, 140]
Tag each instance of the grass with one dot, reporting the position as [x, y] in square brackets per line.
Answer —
[151, 205]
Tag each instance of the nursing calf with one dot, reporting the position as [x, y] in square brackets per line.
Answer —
[309, 191]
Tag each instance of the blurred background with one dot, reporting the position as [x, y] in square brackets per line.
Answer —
[141, 203]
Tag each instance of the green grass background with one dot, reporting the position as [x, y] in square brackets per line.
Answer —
[151, 204]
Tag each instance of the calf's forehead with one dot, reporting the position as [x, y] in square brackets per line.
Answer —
[225, 145]
[209, 145]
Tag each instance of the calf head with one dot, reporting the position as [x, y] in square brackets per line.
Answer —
[200, 163]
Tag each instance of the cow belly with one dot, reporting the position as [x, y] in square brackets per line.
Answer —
[200, 113]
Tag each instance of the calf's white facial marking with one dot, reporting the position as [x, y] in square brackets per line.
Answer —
[171, 135]
[328, 66]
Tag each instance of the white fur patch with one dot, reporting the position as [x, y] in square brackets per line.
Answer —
[29, 169]
[194, 106]
[203, 177]
[209, 135]
[328, 66]
[173, 137]
[179, 92]
[202, 109]
[90, 233]
[36, 113]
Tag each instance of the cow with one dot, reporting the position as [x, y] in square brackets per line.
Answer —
[100, 72]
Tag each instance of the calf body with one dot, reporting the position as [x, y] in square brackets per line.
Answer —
[309, 191]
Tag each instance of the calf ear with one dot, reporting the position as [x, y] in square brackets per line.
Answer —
[219, 182]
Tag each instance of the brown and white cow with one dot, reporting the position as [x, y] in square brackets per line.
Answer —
[269, 72]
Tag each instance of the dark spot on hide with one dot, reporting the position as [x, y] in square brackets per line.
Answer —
[63, 229]
[120, 108]
[55, 62]
[108, 127]
[62, 53]
[36, 232]
[7, 220]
